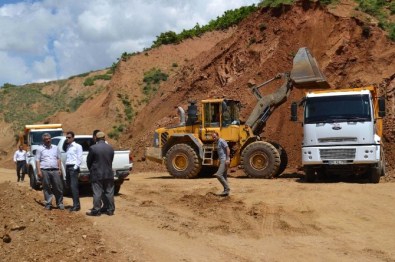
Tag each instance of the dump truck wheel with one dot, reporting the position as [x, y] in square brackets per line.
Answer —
[382, 162]
[182, 161]
[309, 175]
[260, 160]
[283, 158]
[374, 175]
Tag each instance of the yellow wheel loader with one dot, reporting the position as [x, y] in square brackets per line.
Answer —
[188, 148]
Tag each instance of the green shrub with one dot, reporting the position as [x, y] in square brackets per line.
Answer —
[392, 31]
[392, 8]
[228, 19]
[89, 81]
[166, 38]
[102, 77]
[80, 75]
[378, 9]
[76, 102]
[275, 3]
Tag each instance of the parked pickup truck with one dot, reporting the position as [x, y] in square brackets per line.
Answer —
[122, 163]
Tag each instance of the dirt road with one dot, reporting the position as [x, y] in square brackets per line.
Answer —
[163, 219]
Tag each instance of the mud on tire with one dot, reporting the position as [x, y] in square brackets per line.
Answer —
[260, 160]
[182, 161]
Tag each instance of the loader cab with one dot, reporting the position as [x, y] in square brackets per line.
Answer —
[219, 115]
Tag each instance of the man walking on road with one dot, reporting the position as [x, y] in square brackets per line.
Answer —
[224, 158]
[50, 172]
[99, 162]
[20, 157]
[73, 163]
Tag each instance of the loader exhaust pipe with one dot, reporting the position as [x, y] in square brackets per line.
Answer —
[181, 113]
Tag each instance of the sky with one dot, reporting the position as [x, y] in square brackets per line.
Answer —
[44, 40]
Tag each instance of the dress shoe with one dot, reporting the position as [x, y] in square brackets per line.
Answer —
[224, 194]
[93, 214]
[48, 207]
[74, 209]
[103, 210]
[110, 213]
[61, 207]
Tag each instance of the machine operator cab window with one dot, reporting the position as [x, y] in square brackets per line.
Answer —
[221, 113]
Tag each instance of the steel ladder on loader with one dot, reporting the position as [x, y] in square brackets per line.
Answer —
[208, 153]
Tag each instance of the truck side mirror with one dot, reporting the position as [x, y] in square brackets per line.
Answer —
[381, 106]
[294, 112]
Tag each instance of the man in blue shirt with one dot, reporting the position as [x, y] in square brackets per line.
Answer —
[49, 171]
[224, 158]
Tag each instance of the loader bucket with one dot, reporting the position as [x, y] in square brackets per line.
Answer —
[305, 71]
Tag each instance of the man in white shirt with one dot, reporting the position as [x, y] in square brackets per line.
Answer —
[73, 163]
[20, 157]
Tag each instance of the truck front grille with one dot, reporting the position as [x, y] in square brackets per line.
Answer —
[337, 139]
[344, 153]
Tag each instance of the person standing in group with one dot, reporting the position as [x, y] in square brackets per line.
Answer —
[50, 172]
[94, 135]
[99, 162]
[73, 163]
[224, 158]
[20, 158]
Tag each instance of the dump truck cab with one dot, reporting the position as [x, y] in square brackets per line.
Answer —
[343, 131]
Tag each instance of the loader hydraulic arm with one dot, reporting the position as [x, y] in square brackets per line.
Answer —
[305, 74]
[266, 104]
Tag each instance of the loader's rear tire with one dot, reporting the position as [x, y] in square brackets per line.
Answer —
[260, 160]
[182, 161]
[283, 158]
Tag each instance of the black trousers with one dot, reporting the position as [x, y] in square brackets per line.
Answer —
[21, 165]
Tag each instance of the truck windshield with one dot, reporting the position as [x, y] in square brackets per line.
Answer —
[36, 136]
[350, 108]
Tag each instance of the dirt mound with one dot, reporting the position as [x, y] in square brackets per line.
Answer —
[34, 234]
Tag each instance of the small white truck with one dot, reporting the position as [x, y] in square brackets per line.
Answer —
[122, 164]
[343, 133]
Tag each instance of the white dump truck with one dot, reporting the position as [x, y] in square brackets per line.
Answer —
[343, 130]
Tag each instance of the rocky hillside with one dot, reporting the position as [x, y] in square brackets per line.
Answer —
[348, 45]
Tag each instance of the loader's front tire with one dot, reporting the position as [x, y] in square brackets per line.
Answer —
[182, 161]
[260, 160]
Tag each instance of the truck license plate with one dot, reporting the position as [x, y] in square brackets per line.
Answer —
[337, 162]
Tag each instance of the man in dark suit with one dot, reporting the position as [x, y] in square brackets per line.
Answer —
[99, 162]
